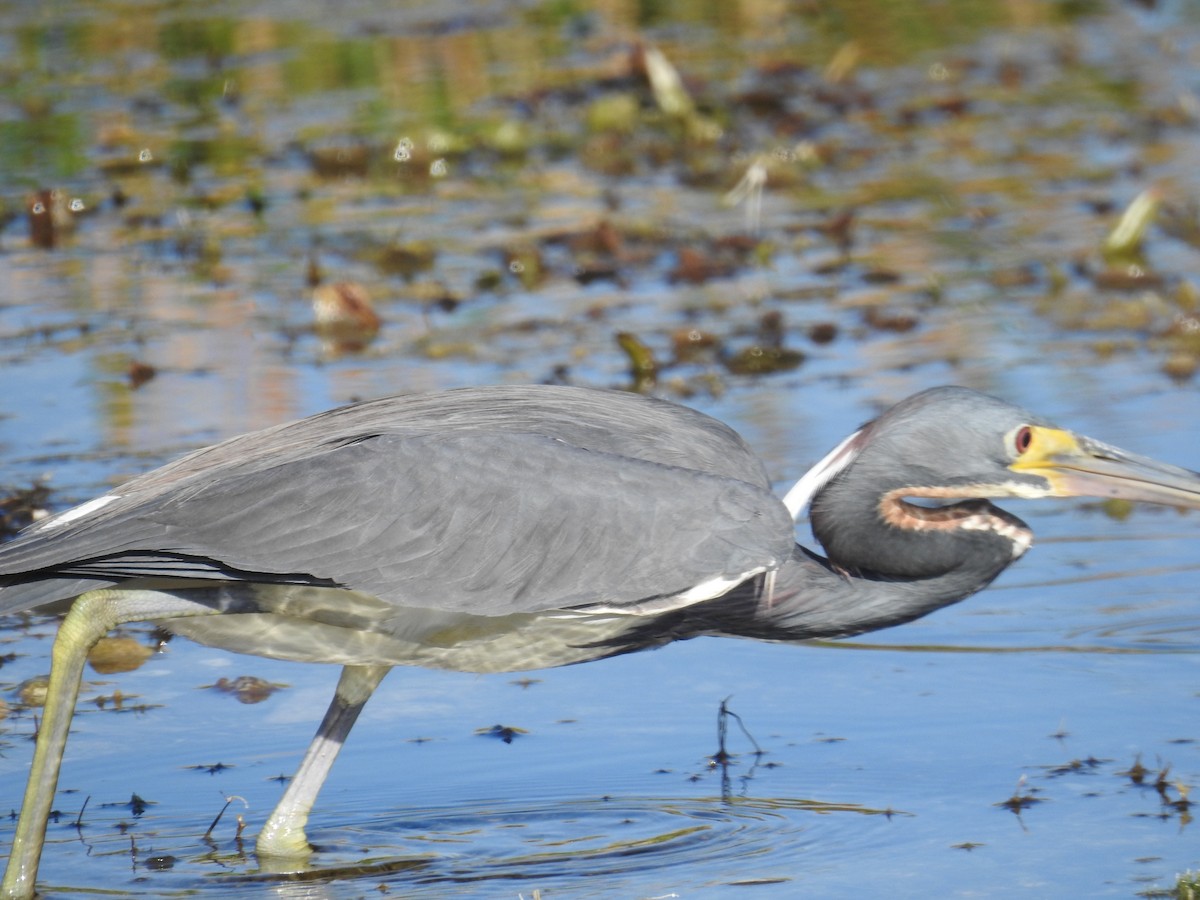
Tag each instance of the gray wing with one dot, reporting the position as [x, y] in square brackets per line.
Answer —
[483, 523]
[618, 422]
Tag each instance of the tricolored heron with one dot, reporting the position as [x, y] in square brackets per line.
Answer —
[506, 528]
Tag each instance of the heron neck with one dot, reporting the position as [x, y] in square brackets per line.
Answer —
[811, 598]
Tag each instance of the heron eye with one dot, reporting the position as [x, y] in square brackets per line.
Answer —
[1022, 439]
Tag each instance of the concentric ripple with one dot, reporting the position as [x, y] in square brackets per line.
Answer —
[655, 843]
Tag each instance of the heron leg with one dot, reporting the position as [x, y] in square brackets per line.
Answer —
[92, 616]
[283, 835]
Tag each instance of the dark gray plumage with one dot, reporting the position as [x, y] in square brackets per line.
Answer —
[495, 529]
[467, 501]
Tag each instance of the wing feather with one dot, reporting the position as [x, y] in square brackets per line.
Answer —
[481, 522]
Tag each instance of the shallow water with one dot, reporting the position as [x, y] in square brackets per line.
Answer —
[986, 155]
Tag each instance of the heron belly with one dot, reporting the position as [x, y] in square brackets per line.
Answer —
[308, 624]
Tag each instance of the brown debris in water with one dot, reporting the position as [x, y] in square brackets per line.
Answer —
[21, 507]
[246, 688]
[118, 654]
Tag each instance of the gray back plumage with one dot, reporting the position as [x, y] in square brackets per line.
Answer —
[483, 500]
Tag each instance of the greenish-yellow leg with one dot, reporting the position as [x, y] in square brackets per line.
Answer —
[283, 835]
[91, 617]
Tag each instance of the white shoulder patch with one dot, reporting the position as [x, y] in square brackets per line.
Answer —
[802, 492]
[75, 513]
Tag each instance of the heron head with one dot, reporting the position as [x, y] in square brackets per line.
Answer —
[926, 468]
[952, 442]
